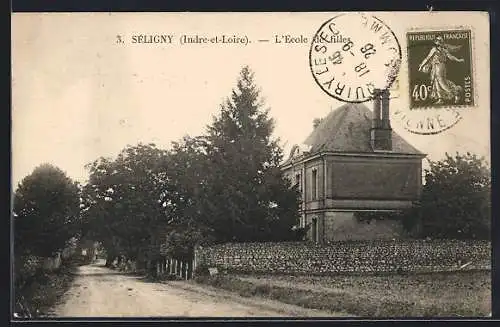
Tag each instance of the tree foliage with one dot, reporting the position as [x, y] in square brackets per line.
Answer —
[222, 186]
[46, 211]
[251, 199]
[455, 199]
[228, 182]
[123, 199]
[189, 219]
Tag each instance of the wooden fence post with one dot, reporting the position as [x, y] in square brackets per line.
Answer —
[194, 260]
[193, 264]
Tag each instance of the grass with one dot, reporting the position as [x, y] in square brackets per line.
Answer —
[419, 295]
[45, 289]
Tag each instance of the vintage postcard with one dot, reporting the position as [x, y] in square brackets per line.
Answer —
[313, 164]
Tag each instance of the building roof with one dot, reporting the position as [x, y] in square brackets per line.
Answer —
[347, 130]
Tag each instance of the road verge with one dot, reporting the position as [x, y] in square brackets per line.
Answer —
[38, 296]
[429, 295]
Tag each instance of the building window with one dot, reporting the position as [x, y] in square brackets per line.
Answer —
[314, 185]
[297, 181]
[314, 230]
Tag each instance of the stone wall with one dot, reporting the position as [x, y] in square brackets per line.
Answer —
[347, 257]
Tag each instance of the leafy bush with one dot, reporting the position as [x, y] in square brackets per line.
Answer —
[455, 201]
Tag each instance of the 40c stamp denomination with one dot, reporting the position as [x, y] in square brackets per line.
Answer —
[368, 57]
[441, 79]
[440, 68]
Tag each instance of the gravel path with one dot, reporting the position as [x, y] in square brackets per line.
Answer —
[101, 292]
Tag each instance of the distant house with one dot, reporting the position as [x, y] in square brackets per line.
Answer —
[354, 162]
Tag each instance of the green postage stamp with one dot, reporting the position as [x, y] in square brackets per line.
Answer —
[440, 69]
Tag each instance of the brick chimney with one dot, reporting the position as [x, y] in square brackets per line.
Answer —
[381, 131]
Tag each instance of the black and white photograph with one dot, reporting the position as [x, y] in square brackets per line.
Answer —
[251, 165]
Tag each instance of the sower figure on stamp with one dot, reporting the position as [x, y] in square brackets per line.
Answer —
[435, 63]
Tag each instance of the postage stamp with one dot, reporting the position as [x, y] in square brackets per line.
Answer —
[440, 69]
[440, 79]
[352, 55]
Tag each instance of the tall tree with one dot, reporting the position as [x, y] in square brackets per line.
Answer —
[189, 203]
[249, 193]
[46, 211]
[123, 198]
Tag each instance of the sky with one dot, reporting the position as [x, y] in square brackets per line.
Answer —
[77, 94]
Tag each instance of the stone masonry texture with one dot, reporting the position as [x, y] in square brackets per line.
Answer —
[378, 256]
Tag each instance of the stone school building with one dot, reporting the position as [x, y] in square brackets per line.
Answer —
[354, 162]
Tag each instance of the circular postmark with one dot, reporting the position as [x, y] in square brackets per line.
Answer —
[352, 55]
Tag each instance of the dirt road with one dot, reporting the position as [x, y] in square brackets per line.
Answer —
[100, 292]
